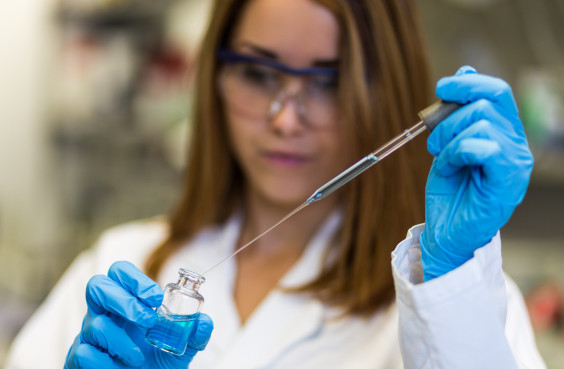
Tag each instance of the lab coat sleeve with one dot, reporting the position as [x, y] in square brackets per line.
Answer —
[46, 337]
[472, 317]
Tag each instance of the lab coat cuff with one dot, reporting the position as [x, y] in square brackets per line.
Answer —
[456, 320]
[483, 267]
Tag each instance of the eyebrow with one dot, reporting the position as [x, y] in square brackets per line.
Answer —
[324, 63]
[229, 56]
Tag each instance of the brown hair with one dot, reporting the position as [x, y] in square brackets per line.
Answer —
[384, 83]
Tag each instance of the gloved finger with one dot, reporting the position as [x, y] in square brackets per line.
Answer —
[466, 152]
[465, 117]
[84, 356]
[201, 335]
[102, 331]
[504, 165]
[105, 295]
[466, 69]
[468, 87]
[199, 338]
[138, 284]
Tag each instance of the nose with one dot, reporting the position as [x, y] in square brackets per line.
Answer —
[287, 120]
[286, 114]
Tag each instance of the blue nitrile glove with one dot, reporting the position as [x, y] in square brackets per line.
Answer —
[480, 172]
[119, 314]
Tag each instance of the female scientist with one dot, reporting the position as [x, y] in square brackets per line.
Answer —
[290, 93]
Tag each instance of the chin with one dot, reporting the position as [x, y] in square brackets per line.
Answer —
[282, 193]
[288, 202]
[286, 199]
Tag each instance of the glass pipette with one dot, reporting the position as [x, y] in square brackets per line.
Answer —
[430, 117]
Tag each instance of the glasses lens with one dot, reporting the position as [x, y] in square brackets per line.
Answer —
[319, 98]
[249, 88]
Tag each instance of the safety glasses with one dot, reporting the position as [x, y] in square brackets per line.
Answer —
[257, 88]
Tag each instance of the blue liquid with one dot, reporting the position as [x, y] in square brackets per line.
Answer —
[171, 332]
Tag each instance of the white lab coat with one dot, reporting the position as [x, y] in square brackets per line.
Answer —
[472, 317]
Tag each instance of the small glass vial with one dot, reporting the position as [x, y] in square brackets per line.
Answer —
[177, 317]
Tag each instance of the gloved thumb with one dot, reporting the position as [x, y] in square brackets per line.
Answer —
[466, 69]
[201, 335]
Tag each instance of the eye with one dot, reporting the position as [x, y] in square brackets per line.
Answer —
[259, 75]
[322, 85]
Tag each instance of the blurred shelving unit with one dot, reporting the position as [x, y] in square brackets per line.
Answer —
[120, 106]
[115, 124]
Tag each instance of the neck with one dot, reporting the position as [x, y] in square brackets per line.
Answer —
[291, 236]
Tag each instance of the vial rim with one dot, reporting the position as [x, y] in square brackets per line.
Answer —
[196, 277]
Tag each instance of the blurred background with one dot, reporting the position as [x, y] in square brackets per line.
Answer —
[94, 103]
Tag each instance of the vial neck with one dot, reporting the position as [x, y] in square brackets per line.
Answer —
[189, 280]
[189, 283]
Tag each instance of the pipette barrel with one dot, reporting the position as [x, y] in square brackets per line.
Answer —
[345, 176]
[430, 118]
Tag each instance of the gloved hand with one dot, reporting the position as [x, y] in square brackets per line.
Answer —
[119, 314]
[480, 172]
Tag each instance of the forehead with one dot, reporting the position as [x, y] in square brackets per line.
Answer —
[296, 31]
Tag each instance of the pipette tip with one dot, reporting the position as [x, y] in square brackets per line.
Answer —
[315, 197]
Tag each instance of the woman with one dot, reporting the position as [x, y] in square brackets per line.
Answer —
[290, 93]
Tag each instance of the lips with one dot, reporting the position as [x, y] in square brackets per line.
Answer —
[286, 158]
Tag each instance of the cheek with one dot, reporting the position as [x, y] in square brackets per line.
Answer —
[337, 152]
[239, 136]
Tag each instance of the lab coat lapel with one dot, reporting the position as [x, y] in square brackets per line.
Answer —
[280, 322]
[283, 320]
[218, 289]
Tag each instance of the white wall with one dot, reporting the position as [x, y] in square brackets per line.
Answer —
[27, 221]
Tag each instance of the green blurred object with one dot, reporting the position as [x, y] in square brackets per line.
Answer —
[538, 102]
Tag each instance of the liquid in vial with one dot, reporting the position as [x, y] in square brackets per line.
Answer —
[171, 332]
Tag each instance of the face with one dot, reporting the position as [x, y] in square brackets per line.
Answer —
[283, 158]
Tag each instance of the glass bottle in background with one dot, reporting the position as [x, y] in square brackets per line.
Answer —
[177, 317]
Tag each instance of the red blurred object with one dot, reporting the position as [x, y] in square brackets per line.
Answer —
[545, 303]
[167, 70]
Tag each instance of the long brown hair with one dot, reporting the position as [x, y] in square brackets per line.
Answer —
[384, 83]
